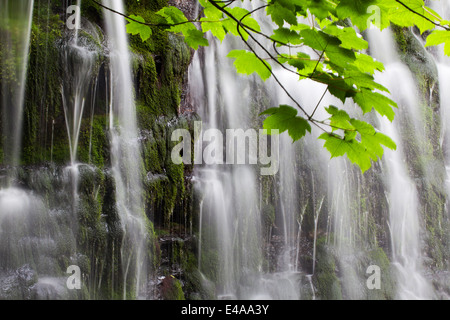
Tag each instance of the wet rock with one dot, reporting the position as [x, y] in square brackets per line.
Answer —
[171, 289]
[49, 289]
[187, 6]
[17, 285]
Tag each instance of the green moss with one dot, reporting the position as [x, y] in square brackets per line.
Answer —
[94, 142]
[326, 282]
[422, 146]
[198, 287]
[153, 249]
[210, 266]
[43, 116]
[268, 214]
[162, 232]
[60, 151]
[43, 98]
[140, 6]
[172, 289]
[152, 157]
[400, 38]
[160, 67]
[328, 286]
[91, 11]
[388, 284]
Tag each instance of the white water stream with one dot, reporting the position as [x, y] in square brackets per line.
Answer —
[125, 153]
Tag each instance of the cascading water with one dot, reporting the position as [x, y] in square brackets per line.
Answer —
[125, 155]
[334, 172]
[37, 235]
[443, 67]
[80, 61]
[229, 199]
[347, 225]
[30, 232]
[231, 224]
[79, 80]
[16, 17]
[402, 196]
[310, 231]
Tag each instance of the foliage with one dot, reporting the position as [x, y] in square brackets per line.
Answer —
[247, 63]
[285, 118]
[317, 40]
[135, 27]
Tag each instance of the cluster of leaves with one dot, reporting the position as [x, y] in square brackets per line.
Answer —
[335, 58]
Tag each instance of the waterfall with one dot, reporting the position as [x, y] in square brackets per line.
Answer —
[230, 203]
[310, 231]
[30, 232]
[223, 106]
[16, 17]
[229, 207]
[443, 67]
[125, 154]
[79, 56]
[334, 173]
[404, 221]
[79, 80]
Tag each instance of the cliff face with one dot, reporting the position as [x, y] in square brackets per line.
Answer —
[159, 79]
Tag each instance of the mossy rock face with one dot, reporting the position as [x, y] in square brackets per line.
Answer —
[172, 289]
[387, 291]
[145, 5]
[94, 142]
[160, 66]
[423, 148]
[45, 137]
[159, 76]
[92, 234]
[268, 212]
[43, 97]
[416, 57]
[210, 261]
[325, 280]
[168, 193]
[198, 287]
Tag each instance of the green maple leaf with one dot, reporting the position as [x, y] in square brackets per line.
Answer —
[355, 152]
[367, 64]
[216, 29]
[172, 14]
[348, 36]
[134, 27]
[285, 35]
[247, 63]
[369, 100]
[339, 119]
[302, 62]
[194, 38]
[413, 15]
[285, 118]
[281, 12]
[357, 11]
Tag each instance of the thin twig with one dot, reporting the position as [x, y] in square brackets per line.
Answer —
[318, 103]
